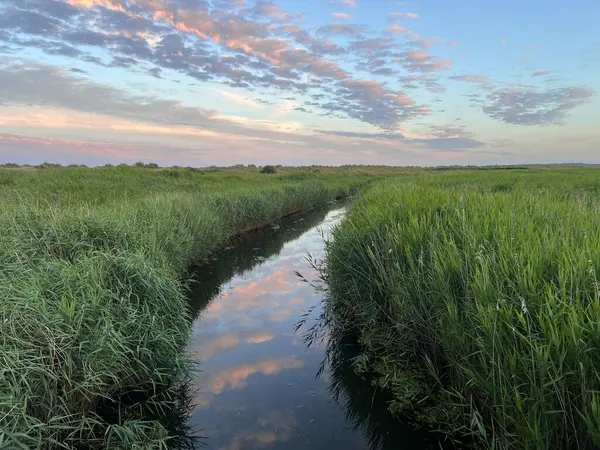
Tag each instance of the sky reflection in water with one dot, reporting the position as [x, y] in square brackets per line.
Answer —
[257, 385]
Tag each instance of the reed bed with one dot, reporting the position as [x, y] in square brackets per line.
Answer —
[477, 301]
[93, 315]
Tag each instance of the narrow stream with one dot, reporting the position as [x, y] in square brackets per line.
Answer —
[257, 387]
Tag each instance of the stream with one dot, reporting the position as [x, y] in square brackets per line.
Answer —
[258, 384]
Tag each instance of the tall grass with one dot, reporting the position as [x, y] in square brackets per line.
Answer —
[92, 310]
[477, 299]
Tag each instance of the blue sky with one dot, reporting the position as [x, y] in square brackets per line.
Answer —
[203, 82]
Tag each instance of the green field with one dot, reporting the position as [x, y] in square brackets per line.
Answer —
[477, 300]
[92, 304]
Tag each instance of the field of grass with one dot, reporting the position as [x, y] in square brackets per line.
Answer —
[477, 300]
[92, 308]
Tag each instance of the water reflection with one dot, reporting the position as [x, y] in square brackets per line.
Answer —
[256, 387]
[176, 419]
[244, 253]
[365, 404]
[170, 407]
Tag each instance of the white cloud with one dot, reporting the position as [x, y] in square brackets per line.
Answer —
[238, 99]
[403, 15]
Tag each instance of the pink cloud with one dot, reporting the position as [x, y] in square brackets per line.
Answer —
[34, 150]
[264, 40]
[421, 61]
[396, 29]
[110, 4]
[342, 16]
[403, 100]
[327, 69]
[273, 11]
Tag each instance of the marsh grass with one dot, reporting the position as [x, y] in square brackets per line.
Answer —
[477, 300]
[92, 309]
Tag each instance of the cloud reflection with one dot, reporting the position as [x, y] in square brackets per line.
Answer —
[260, 293]
[259, 337]
[235, 377]
[277, 426]
[279, 281]
[280, 315]
[208, 349]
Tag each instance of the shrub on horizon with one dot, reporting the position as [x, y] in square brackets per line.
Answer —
[268, 170]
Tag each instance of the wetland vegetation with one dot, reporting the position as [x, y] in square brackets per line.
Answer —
[476, 298]
[473, 294]
[93, 308]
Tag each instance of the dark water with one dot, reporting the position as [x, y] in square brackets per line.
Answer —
[258, 387]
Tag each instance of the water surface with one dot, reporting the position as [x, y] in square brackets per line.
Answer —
[258, 385]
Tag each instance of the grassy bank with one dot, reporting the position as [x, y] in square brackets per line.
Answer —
[477, 299]
[92, 310]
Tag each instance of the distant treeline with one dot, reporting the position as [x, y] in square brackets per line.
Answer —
[139, 164]
[153, 165]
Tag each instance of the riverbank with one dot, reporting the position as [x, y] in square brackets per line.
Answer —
[476, 298]
[92, 304]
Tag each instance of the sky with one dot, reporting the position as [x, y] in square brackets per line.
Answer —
[299, 82]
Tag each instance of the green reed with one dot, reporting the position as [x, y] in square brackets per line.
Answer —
[92, 308]
[477, 298]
